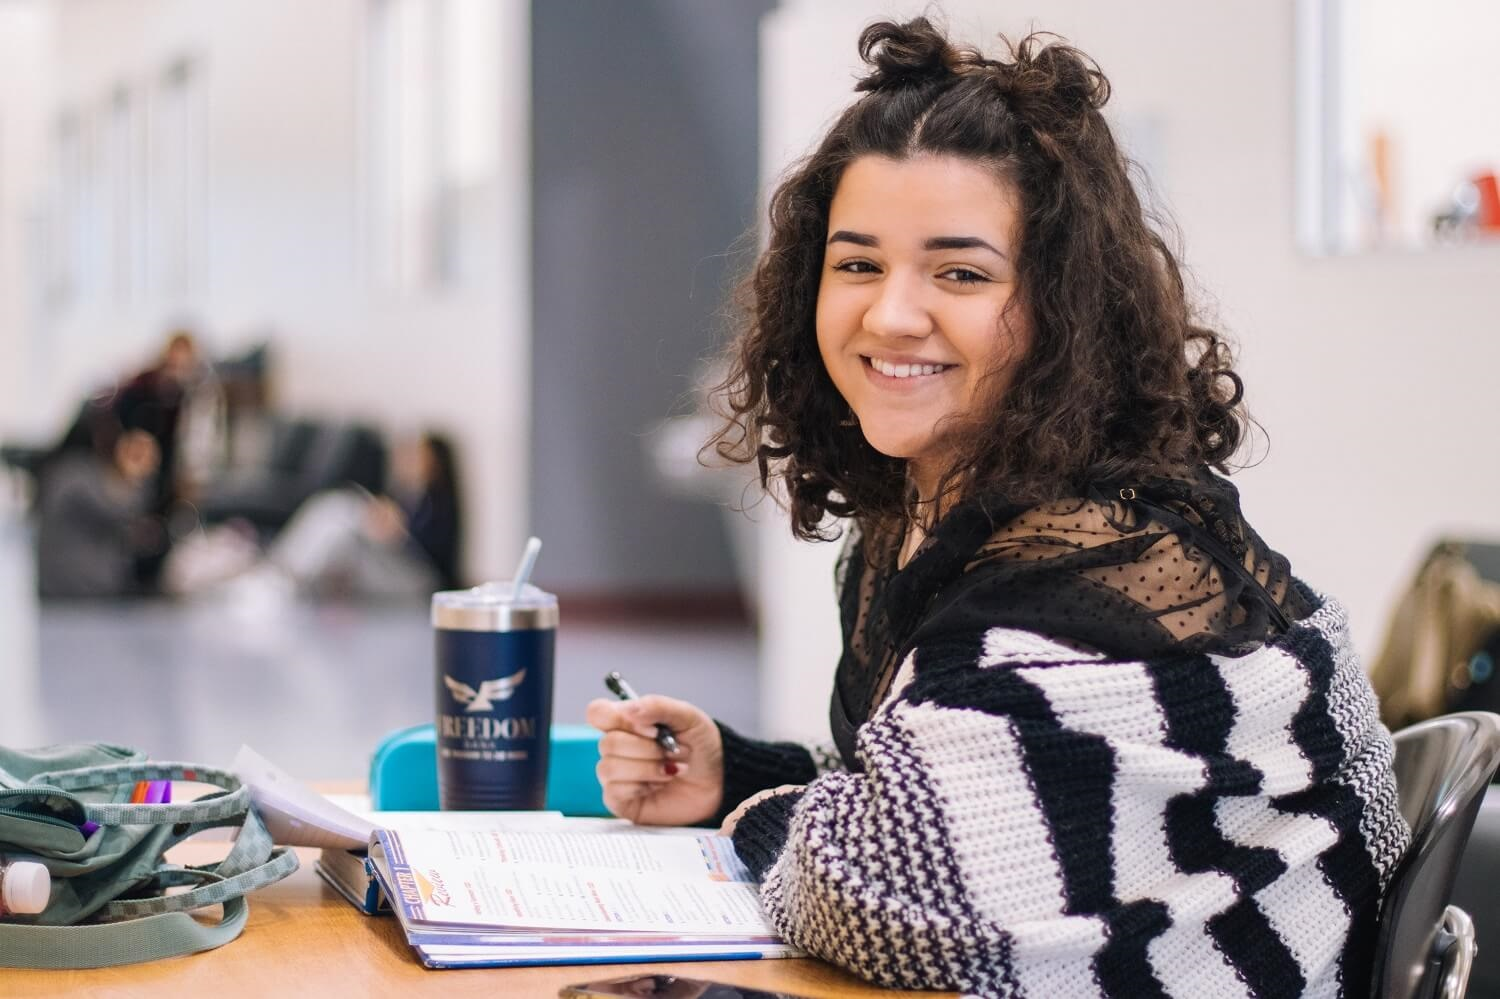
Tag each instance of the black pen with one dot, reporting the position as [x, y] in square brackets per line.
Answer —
[620, 688]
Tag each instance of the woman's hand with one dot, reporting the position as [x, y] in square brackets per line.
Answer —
[641, 782]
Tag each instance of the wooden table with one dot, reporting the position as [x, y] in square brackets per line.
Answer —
[303, 940]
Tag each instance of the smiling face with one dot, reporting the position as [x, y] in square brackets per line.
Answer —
[917, 272]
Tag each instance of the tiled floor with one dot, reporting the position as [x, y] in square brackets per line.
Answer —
[312, 687]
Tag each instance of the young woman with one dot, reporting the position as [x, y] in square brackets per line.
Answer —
[1090, 735]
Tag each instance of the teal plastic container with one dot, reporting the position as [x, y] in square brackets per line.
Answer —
[403, 771]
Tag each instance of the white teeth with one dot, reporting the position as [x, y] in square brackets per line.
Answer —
[905, 370]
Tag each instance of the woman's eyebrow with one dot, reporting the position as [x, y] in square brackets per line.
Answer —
[961, 243]
[935, 243]
[857, 238]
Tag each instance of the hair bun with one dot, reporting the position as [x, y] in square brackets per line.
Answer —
[911, 53]
[1049, 72]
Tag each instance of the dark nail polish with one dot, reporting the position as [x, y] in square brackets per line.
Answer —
[669, 768]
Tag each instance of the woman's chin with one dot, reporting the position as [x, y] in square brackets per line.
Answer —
[895, 445]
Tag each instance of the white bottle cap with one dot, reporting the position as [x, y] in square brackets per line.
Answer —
[25, 888]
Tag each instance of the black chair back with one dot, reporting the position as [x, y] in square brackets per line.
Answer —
[1443, 768]
[1476, 890]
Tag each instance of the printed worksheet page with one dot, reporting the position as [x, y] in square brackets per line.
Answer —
[580, 881]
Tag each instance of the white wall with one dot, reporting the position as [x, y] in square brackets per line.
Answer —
[283, 242]
[1373, 374]
[25, 40]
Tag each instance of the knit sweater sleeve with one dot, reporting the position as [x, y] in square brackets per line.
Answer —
[754, 765]
[1031, 820]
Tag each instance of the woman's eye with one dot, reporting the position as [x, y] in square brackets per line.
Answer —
[963, 275]
[856, 267]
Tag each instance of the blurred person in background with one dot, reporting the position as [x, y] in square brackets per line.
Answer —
[177, 402]
[93, 519]
[152, 400]
[345, 542]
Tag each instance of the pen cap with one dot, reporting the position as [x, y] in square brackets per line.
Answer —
[25, 888]
[493, 607]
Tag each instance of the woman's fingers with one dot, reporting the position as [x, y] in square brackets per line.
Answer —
[654, 709]
[630, 745]
[643, 715]
[641, 801]
[620, 716]
[605, 715]
[620, 770]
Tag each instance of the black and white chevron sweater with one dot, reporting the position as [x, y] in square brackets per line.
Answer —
[1034, 820]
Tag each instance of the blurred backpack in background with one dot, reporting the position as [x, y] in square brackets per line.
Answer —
[1443, 640]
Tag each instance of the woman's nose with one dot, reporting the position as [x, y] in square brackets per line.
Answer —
[898, 309]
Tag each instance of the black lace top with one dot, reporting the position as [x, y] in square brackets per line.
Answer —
[1132, 570]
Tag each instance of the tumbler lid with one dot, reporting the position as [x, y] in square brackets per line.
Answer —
[493, 607]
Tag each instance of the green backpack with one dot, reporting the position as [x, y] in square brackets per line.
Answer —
[109, 904]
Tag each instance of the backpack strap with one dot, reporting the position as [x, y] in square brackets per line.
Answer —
[104, 945]
[234, 801]
[252, 864]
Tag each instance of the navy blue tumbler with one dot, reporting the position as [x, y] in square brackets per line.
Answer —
[494, 695]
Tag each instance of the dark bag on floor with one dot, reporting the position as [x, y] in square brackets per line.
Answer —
[109, 903]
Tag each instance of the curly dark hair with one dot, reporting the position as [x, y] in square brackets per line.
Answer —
[1120, 382]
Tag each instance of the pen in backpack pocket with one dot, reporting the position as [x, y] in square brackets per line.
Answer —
[151, 792]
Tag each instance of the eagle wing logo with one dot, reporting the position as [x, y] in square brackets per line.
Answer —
[499, 689]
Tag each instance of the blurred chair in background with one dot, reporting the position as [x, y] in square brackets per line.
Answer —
[1474, 892]
[1440, 655]
[305, 457]
[1425, 945]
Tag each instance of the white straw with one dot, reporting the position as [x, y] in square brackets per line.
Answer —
[523, 569]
